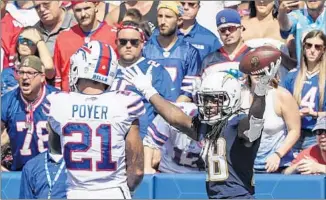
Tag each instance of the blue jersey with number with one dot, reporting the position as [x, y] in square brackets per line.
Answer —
[93, 130]
[230, 166]
[180, 61]
[16, 116]
[161, 81]
[309, 96]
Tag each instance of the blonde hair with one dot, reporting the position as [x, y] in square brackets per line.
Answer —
[301, 77]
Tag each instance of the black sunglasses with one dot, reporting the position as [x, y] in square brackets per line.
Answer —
[320, 131]
[191, 5]
[318, 47]
[133, 42]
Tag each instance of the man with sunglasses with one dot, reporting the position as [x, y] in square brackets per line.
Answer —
[130, 42]
[228, 22]
[69, 40]
[313, 159]
[201, 38]
[22, 113]
[178, 57]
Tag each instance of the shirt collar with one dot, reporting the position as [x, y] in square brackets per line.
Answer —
[55, 157]
[192, 32]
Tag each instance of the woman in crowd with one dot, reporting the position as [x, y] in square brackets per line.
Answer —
[29, 42]
[307, 85]
[281, 128]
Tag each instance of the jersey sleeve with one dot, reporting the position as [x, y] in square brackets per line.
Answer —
[5, 99]
[134, 104]
[293, 18]
[158, 132]
[192, 66]
[26, 189]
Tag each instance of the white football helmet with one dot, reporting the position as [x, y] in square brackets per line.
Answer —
[95, 61]
[218, 96]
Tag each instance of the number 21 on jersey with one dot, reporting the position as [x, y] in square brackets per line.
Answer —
[217, 164]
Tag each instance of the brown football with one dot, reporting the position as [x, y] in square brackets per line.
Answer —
[254, 62]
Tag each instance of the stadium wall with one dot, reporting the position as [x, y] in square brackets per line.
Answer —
[192, 186]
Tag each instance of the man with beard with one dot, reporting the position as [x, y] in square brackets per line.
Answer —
[22, 113]
[299, 22]
[313, 159]
[178, 57]
[68, 41]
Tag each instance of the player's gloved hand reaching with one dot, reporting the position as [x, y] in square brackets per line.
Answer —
[143, 82]
[264, 80]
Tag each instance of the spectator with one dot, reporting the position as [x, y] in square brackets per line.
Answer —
[307, 84]
[130, 42]
[10, 29]
[53, 19]
[148, 9]
[29, 42]
[281, 128]
[178, 57]
[228, 22]
[22, 113]
[313, 159]
[134, 15]
[201, 38]
[70, 40]
[23, 12]
[44, 176]
[301, 21]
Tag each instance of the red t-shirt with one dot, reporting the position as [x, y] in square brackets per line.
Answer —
[10, 30]
[313, 153]
[69, 41]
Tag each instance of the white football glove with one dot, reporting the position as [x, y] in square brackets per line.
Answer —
[264, 81]
[143, 82]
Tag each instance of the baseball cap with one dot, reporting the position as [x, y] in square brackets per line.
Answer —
[321, 124]
[175, 6]
[228, 16]
[32, 62]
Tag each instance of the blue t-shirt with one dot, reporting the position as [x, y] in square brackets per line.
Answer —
[309, 96]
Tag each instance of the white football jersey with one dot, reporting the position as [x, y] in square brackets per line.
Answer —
[179, 153]
[93, 130]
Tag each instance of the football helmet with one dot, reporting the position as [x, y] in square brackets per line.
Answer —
[95, 61]
[218, 96]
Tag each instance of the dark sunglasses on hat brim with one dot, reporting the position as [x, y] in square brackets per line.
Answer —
[22, 40]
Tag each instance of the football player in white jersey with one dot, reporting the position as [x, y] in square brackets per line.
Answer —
[99, 130]
[179, 153]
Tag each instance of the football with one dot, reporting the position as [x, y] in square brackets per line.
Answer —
[254, 62]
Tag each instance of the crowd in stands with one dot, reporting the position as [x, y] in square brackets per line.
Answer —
[183, 40]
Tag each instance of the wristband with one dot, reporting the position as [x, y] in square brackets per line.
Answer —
[278, 154]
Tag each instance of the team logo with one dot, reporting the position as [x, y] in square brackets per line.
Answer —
[254, 62]
[26, 62]
[223, 20]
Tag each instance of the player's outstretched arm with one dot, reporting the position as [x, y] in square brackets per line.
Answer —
[171, 113]
[252, 126]
[134, 157]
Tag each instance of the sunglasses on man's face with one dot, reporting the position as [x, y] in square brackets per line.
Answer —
[25, 41]
[133, 42]
[318, 47]
[190, 4]
[231, 29]
[320, 131]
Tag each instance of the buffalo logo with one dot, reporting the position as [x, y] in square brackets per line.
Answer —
[254, 62]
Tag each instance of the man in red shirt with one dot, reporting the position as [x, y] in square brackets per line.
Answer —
[70, 40]
[313, 159]
[10, 29]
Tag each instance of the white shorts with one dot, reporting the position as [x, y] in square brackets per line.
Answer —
[110, 193]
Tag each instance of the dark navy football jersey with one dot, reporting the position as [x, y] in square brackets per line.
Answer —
[181, 60]
[27, 132]
[230, 165]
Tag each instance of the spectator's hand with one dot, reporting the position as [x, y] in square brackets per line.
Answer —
[288, 6]
[3, 169]
[149, 171]
[306, 111]
[143, 82]
[308, 166]
[32, 34]
[272, 163]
